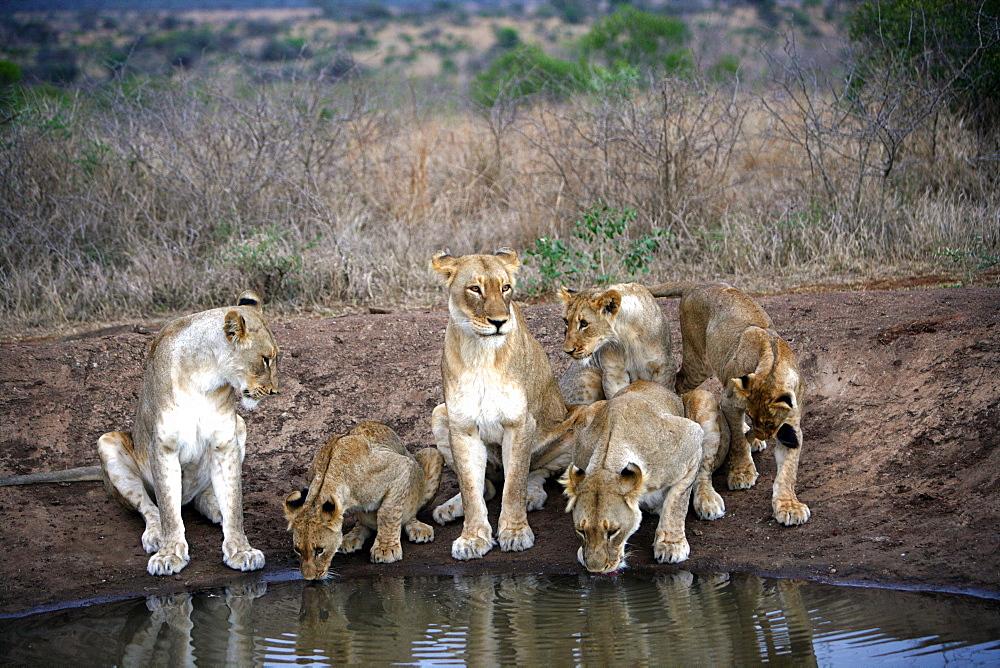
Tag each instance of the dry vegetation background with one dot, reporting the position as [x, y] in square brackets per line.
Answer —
[327, 183]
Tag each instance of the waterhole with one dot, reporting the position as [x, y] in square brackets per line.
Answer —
[669, 619]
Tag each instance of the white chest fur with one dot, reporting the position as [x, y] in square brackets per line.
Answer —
[481, 395]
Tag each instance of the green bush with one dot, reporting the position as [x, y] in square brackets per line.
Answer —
[952, 42]
[631, 37]
[507, 38]
[602, 251]
[10, 73]
[525, 72]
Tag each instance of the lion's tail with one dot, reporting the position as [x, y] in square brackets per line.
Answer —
[432, 463]
[80, 474]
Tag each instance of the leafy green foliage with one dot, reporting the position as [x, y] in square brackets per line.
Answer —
[507, 38]
[603, 251]
[524, 72]
[640, 39]
[955, 42]
[270, 262]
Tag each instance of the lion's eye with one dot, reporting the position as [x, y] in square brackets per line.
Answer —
[581, 534]
[506, 288]
[265, 360]
[318, 551]
[612, 533]
[475, 289]
[583, 324]
[297, 550]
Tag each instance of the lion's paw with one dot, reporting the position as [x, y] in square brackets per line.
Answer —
[247, 559]
[386, 553]
[742, 477]
[354, 539]
[790, 512]
[667, 552]
[418, 532]
[708, 504]
[757, 445]
[151, 538]
[473, 546]
[167, 562]
[449, 510]
[516, 538]
[536, 497]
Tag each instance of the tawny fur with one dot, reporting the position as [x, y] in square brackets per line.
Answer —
[636, 451]
[367, 473]
[502, 404]
[617, 335]
[187, 443]
[726, 334]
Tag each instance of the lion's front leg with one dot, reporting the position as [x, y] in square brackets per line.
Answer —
[226, 464]
[788, 510]
[742, 470]
[469, 464]
[514, 533]
[614, 370]
[670, 544]
[165, 466]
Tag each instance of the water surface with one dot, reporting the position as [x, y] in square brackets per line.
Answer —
[669, 619]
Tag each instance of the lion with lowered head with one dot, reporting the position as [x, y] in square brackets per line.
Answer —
[502, 409]
[367, 473]
[726, 334]
[187, 443]
[636, 451]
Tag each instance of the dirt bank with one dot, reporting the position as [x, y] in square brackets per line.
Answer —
[900, 463]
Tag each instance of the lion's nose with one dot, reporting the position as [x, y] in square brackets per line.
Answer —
[497, 322]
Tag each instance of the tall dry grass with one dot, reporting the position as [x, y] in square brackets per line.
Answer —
[140, 199]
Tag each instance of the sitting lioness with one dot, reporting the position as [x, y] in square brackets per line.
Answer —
[187, 443]
[637, 451]
[726, 334]
[502, 404]
[617, 335]
[369, 474]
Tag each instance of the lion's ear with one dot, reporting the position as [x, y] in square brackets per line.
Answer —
[445, 265]
[741, 385]
[565, 294]
[329, 507]
[609, 303]
[785, 402]
[509, 258]
[293, 502]
[630, 480]
[571, 480]
[235, 327]
[251, 299]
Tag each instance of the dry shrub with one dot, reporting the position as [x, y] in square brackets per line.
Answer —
[139, 199]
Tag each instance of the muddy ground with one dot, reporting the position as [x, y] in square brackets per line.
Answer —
[900, 464]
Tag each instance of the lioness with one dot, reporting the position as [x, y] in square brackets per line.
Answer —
[617, 335]
[726, 334]
[368, 473]
[637, 451]
[187, 442]
[502, 404]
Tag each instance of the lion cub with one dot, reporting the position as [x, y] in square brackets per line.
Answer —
[727, 334]
[617, 335]
[187, 443]
[369, 473]
[637, 451]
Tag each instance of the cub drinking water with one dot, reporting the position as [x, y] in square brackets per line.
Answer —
[367, 473]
